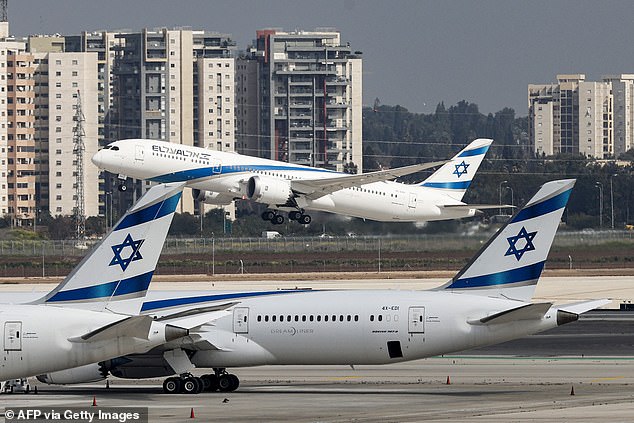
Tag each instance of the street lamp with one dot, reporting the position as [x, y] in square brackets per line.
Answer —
[512, 202]
[612, 198]
[599, 185]
[500, 195]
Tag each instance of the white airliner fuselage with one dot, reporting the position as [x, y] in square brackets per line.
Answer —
[38, 338]
[221, 177]
[353, 327]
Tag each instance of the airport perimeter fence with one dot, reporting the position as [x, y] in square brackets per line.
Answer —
[426, 242]
[303, 254]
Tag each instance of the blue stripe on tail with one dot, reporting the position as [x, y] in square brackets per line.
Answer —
[522, 274]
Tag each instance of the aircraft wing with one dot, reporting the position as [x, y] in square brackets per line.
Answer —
[476, 206]
[316, 188]
[524, 312]
[195, 317]
[133, 326]
[582, 307]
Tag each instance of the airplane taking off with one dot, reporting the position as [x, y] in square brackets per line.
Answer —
[93, 315]
[220, 177]
[487, 302]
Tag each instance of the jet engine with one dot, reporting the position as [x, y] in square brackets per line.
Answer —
[211, 197]
[269, 190]
[84, 374]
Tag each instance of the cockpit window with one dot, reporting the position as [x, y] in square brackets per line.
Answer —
[106, 148]
[115, 148]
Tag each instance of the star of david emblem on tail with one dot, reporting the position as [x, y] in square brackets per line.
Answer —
[460, 171]
[513, 243]
[128, 244]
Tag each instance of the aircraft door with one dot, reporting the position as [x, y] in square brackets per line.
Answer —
[241, 320]
[13, 336]
[412, 202]
[216, 166]
[139, 153]
[416, 320]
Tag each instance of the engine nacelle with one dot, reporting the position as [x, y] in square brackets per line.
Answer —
[83, 374]
[268, 190]
[211, 197]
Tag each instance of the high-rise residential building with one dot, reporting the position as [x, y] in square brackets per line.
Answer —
[310, 99]
[165, 84]
[623, 111]
[572, 116]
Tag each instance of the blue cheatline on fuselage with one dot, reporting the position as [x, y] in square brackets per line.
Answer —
[178, 302]
[134, 285]
[205, 172]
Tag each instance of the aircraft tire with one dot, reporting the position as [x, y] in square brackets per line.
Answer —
[305, 219]
[172, 385]
[210, 383]
[190, 386]
[123, 188]
[228, 383]
[278, 219]
[294, 215]
[268, 215]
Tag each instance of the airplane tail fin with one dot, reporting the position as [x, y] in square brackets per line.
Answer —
[121, 265]
[510, 264]
[454, 177]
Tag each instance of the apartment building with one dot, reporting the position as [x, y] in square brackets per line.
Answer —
[623, 111]
[310, 99]
[573, 116]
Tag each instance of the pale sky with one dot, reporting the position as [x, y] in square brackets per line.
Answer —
[416, 52]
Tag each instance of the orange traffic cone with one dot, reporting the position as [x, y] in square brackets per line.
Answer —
[191, 414]
[94, 401]
[448, 381]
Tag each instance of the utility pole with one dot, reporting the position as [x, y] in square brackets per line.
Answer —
[78, 150]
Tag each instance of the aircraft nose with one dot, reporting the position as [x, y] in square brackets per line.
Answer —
[97, 159]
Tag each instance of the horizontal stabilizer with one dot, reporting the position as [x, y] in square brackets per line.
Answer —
[583, 306]
[134, 326]
[526, 312]
[476, 206]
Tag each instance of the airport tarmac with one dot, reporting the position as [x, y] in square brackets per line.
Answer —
[557, 289]
[480, 389]
[525, 380]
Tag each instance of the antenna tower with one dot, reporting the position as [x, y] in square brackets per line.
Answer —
[78, 150]
[3, 11]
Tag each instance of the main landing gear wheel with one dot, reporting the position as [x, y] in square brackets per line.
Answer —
[122, 187]
[210, 383]
[294, 215]
[304, 219]
[278, 219]
[228, 383]
[192, 385]
[268, 215]
[172, 385]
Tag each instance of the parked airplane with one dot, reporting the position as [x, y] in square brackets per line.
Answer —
[92, 315]
[487, 302]
[221, 177]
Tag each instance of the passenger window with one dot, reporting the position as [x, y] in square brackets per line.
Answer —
[349, 318]
[326, 318]
[259, 318]
[266, 318]
[303, 318]
[372, 317]
[311, 318]
[380, 317]
[273, 318]
[318, 318]
[288, 318]
[296, 318]
[356, 317]
[341, 317]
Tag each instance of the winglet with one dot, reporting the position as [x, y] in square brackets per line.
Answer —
[121, 265]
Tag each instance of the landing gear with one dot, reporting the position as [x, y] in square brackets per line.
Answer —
[274, 218]
[188, 384]
[122, 186]
[299, 216]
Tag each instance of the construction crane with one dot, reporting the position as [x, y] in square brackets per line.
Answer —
[78, 151]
